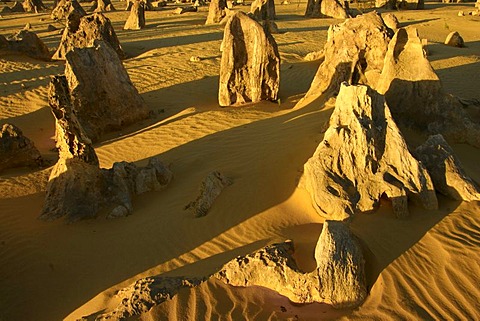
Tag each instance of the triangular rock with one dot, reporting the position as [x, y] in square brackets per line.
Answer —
[83, 31]
[136, 19]
[250, 65]
[28, 43]
[411, 87]
[16, 150]
[263, 10]
[104, 6]
[65, 7]
[362, 157]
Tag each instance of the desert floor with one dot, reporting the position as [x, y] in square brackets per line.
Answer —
[423, 267]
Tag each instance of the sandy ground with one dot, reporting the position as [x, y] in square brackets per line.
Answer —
[423, 267]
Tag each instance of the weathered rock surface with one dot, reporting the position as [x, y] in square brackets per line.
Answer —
[216, 11]
[263, 10]
[16, 150]
[273, 267]
[455, 40]
[78, 188]
[340, 266]
[330, 8]
[28, 43]
[104, 6]
[141, 296]
[390, 21]
[354, 53]
[17, 7]
[136, 19]
[103, 97]
[66, 7]
[250, 65]
[411, 87]
[400, 5]
[210, 189]
[33, 5]
[147, 4]
[446, 170]
[363, 156]
[339, 259]
[83, 31]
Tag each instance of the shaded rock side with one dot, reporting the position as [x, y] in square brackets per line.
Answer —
[354, 52]
[210, 189]
[65, 7]
[17, 7]
[263, 10]
[103, 97]
[145, 293]
[27, 42]
[411, 87]
[340, 266]
[330, 8]
[77, 187]
[216, 11]
[400, 5]
[446, 170]
[455, 40]
[363, 156]
[250, 64]
[136, 19]
[16, 150]
[83, 31]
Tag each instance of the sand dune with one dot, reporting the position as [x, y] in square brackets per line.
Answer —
[423, 267]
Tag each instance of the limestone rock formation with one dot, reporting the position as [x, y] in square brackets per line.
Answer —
[141, 296]
[17, 150]
[273, 267]
[182, 10]
[147, 4]
[446, 170]
[390, 21]
[263, 10]
[33, 5]
[455, 40]
[354, 53]
[210, 189]
[216, 11]
[400, 4]
[65, 7]
[77, 187]
[103, 97]
[330, 8]
[17, 7]
[411, 87]
[104, 6]
[28, 43]
[250, 65]
[136, 19]
[340, 266]
[83, 31]
[362, 157]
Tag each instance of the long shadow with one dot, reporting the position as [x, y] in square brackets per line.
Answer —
[437, 51]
